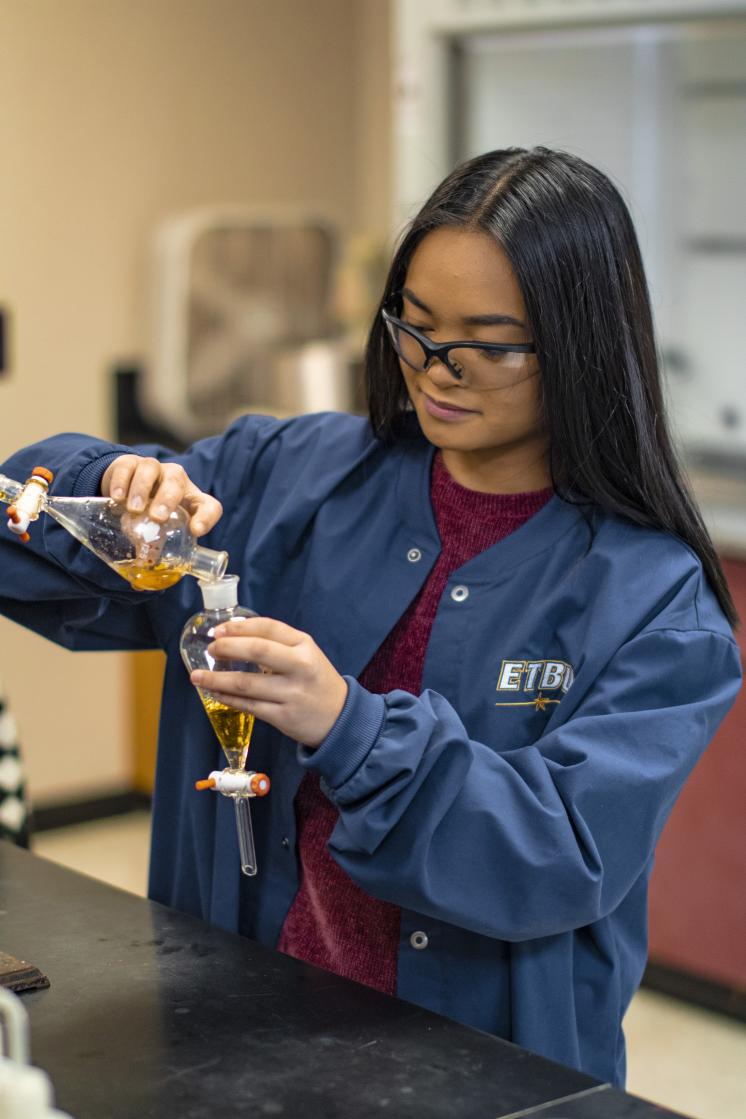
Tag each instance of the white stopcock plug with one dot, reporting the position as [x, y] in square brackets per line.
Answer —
[235, 782]
[25, 1092]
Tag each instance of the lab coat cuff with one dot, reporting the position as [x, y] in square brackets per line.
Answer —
[351, 738]
[88, 482]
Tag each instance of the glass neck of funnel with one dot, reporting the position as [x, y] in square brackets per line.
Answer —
[9, 489]
[207, 564]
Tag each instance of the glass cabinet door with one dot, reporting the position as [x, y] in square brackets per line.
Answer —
[662, 109]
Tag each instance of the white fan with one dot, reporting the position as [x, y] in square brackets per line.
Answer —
[241, 320]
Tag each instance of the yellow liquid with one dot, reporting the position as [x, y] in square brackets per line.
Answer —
[232, 727]
[9, 495]
[148, 577]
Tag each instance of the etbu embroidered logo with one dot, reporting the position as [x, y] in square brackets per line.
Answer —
[525, 677]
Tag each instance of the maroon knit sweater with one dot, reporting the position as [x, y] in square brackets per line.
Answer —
[332, 922]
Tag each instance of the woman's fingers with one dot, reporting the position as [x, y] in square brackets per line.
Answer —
[248, 686]
[260, 709]
[118, 477]
[132, 481]
[268, 643]
[175, 487]
[269, 655]
[259, 627]
[143, 483]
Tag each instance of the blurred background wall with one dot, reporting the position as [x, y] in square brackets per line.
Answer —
[112, 116]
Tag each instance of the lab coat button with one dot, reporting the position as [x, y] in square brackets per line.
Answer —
[419, 940]
[414, 555]
[460, 594]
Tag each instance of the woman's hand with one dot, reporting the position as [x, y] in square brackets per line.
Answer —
[145, 483]
[299, 692]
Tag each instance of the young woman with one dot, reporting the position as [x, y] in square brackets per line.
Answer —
[497, 633]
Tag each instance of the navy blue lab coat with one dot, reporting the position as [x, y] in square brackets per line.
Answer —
[576, 671]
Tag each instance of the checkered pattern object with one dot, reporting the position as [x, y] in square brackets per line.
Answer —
[14, 812]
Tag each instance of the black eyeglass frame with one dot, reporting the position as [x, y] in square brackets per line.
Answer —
[441, 349]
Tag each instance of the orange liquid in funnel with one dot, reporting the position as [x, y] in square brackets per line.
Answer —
[148, 577]
[232, 727]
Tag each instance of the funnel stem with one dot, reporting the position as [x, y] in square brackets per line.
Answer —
[245, 835]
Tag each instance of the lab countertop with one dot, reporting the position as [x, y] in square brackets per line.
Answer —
[152, 1014]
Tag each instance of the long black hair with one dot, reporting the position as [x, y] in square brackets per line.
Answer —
[570, 239]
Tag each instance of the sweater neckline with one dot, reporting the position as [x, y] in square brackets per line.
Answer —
[451, 496]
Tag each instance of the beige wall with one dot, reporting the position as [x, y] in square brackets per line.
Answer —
[114, 113]
[372, 183]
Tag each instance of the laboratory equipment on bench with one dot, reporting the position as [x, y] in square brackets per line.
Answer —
[232, 726]
[150, 555]
[25, 1092]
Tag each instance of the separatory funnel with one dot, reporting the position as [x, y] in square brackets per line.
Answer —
[232, 727]
[150, 555]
